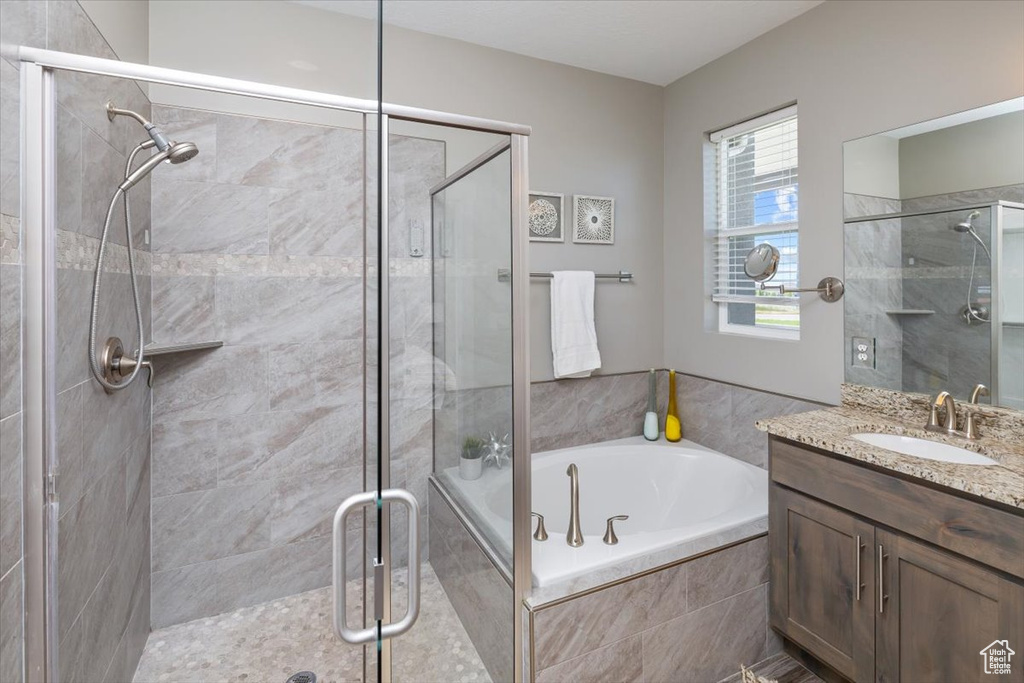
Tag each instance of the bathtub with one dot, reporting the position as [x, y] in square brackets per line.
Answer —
[676, 495]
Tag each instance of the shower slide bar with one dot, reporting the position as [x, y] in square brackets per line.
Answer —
[504, 275]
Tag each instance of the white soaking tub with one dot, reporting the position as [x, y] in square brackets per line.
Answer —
[682, 499]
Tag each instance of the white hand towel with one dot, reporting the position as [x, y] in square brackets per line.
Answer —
[573, 337]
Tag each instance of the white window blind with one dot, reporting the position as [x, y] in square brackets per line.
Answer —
[757, 201]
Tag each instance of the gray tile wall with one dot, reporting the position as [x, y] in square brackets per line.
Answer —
[692, 621]
[256, 444]
[573, 412]
[479, 593]
[918, 263]
[721, 416]
[103, 441]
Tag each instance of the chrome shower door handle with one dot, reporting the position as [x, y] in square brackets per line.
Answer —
[350, 504]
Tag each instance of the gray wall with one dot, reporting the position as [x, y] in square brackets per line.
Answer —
[103, 441]
[847, 65]
[592, 134]
[971, 156]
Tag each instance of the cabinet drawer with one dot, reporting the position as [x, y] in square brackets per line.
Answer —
[985, 534]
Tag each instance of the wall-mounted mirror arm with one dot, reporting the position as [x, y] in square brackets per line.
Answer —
[830, 289]
[762, 263]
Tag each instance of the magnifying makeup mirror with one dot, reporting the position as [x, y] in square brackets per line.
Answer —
[762, 262]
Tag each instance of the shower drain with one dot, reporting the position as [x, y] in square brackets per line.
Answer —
[302, 677]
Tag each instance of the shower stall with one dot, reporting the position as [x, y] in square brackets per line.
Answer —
[325, 330]
[939, 288]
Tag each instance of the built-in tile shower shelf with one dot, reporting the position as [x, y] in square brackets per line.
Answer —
[910, 311]
[166, 349]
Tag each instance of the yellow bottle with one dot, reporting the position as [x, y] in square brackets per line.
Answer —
[673, 427]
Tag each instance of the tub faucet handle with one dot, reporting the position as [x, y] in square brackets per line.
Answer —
[609, 533]
[541, 534]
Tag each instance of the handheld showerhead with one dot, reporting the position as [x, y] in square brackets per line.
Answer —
[176, 153]
[966, 226]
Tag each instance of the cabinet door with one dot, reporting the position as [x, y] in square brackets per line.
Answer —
[937, 612]
[817, 555]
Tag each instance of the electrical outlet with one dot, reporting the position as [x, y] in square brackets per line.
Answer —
[863, 352]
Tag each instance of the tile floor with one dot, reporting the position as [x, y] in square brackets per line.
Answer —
[781, 668]
[267, 643]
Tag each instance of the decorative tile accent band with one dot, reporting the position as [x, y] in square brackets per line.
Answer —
[76, 251]
[10, 243]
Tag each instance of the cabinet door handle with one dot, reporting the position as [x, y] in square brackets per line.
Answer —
[859, 586]
[882, 597]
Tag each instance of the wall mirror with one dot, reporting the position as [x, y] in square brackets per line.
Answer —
[934, 255]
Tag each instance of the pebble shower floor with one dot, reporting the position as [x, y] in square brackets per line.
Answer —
[269, 642]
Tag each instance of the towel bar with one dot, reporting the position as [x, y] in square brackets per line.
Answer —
[504, 275]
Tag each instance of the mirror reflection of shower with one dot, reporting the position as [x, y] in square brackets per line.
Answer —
[114, 369]
[973, 312]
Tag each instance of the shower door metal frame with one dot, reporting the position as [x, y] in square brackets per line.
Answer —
[39, 267]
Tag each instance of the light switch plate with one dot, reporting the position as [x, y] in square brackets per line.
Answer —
[863, 352]
[416, 239]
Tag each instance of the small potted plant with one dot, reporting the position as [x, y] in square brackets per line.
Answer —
[472, 458]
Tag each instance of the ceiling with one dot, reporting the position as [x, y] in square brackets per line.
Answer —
[655, 41]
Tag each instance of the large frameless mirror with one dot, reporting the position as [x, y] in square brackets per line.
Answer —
[934, 255]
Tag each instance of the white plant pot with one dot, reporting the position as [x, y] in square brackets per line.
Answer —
[470, 468]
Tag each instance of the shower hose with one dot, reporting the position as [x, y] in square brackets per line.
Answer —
[97, 371]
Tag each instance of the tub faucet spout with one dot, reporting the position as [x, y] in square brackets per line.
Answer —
[574, 537]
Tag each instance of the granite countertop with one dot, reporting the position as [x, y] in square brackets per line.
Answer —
[830, 430]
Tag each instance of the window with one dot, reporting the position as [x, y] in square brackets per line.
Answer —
[756, 201]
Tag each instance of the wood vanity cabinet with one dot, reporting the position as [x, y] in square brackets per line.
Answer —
[852, 586]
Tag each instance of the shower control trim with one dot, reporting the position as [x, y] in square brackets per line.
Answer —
[117, 366]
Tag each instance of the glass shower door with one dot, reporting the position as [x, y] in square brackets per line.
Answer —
[451, 400]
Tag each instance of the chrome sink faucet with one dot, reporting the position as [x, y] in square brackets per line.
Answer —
[574, 537]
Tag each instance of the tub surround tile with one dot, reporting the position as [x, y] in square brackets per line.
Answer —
[727, 572]
[691, 647]
[597, 619]
[695, 620]
[621, 662]
[479, 594]
[866, 409]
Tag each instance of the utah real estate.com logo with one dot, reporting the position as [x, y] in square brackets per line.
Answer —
[997, 657]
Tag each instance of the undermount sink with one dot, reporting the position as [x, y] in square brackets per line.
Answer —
[922, 448]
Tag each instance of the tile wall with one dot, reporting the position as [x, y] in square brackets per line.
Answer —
[918, 263]
[103, 441]
[256, 444]
[698, 620]
[714, 414]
